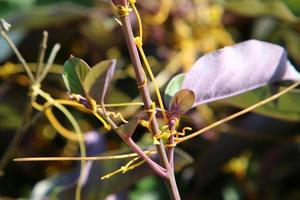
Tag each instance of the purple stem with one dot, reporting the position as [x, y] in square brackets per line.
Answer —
[170, 179]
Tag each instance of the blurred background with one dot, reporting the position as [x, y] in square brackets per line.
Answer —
[254, 157]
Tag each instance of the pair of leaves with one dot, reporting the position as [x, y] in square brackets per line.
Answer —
[88, 82]
[178, 101]
[232, 71]
[182, 102]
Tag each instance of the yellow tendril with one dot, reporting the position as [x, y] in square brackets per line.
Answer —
[139, 44]
[105, 125]
[91, 158]
[145, 80]
[164, 133]
[186, 128]
[70, 135]
[129, 166]
[94, 105]
[144, 123]
[138, 17]
[37, 106]
[123, 10]
[37, 91]
[116, 115]
[124, 104]
[124, 168]
[152, 110]
[47, 108]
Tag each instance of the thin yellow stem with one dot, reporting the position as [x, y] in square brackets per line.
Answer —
[246, 110]
[50, 61]
[36, 90]
[70, 135]
[18, 54]
[159, 98]
[139, 44]
[124, 104]
[138, 17]
[125, 168]
[43, 47]
[93, 158]
[47, 108]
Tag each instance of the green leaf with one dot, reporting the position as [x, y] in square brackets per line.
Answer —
[292, 40]
[172, 88]
[75, 71]
[294, 6]
[182, 101]
[286, 107]
[98, 78]
[254, 8]
[9, 117]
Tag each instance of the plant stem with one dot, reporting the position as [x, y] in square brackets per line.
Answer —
[171, 141]
[133, 146]
[50, 62]
[18, 54]
[77, 130]
[17, 137]
[27, 121]
[127, 30]
[43, 47]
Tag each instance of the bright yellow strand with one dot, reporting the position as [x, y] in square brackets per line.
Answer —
[47, 108]
[116, 115]
[161, 105]
[124, 168]
[123, 10]
[106, 126]
[66, 133]
[138, 17]
[37, 91]
[62, 130]
[124, 104]
[139, 44]
[129, 166]
[92, 158]
[37, 106]
[82, 107]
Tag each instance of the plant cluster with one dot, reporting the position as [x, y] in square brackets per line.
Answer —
[253, 65]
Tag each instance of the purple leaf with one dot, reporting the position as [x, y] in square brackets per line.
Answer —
[182, 101]
[234, 70]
